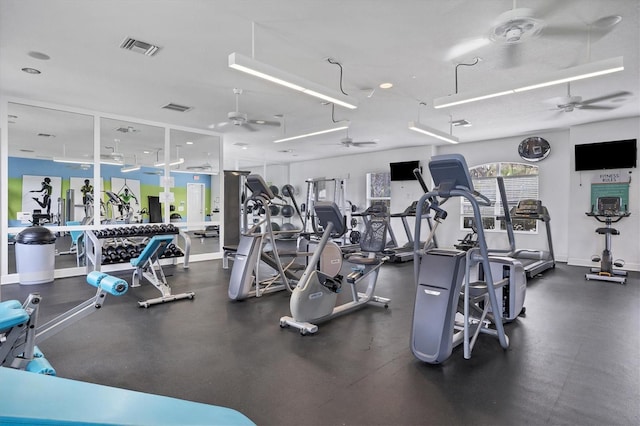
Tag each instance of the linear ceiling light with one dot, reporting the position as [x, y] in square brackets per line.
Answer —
[132, 168]
[421, 128]
[258, 69]
[72, 160]
[82, 161]
[306, 135]
[173, 163]
[592, 69]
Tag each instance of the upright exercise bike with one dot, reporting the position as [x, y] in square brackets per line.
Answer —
[608, 212]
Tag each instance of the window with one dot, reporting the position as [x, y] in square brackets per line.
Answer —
[379, 188]
[520, 182]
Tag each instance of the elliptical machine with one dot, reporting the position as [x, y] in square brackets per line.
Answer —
[257, 248]
[442, 274]
[608, 212]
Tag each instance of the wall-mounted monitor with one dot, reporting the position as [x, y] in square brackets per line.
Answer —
[621, 154]
[403, 170]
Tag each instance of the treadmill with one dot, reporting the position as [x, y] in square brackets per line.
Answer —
[405, 253]
[534, 261]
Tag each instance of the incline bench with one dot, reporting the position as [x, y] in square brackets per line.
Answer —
[148, 266]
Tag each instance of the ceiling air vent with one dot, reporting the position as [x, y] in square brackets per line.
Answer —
[177, 107]
[139, 46]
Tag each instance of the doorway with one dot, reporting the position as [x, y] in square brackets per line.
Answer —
[195, 205]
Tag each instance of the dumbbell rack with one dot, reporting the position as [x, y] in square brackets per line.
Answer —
[116, 246]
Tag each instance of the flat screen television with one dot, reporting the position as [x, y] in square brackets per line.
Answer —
[621, 154]
[403, 170]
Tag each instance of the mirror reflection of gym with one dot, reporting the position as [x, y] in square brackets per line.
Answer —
[47, 150]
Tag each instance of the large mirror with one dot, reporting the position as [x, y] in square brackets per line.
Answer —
[48, 152]
[129, 153]
[142, 174]
[194, 162]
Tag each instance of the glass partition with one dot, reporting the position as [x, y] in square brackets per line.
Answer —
[64, 174]
[195, 176]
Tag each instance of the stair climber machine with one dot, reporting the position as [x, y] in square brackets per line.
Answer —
[608, 211]
[444, 276]
[315, 297]
[257, 252]
[405, 253]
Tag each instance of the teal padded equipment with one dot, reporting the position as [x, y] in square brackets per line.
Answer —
[110, 284]
[12, 314]
[20, 331]
[34, 399]
[155, 247]
[148, 266]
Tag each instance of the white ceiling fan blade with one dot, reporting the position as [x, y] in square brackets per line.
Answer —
[606, 97]
[595, 107]
[466, 47]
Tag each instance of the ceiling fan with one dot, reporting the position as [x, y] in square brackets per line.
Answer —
[570, 102]
[519, 25]
[348, 142]
[241, 119]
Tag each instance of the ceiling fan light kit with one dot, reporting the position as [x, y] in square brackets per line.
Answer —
[580, 72]
[267, 72]
[306, 135]
[421, 128]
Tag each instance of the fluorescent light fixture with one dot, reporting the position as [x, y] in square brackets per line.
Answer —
[132, 168]
[84, 161]
[306, 135]
[580, 72]
[111, 163]
[72, 160]
[421, 128]
[258, 69]
[173, 163]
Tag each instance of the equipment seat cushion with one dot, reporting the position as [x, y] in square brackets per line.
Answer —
[153, 247]
[12, 314]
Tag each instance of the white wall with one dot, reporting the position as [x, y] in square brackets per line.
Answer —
[563, 191]
[584, 241]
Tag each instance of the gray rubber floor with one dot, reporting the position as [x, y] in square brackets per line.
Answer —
[574, 358]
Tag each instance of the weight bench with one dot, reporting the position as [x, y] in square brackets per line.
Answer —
[20, 333]
[34, 399]
[148, 266]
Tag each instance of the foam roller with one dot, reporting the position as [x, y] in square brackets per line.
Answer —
[110, 284]
[95, 277]
[37, 353]
[113, 285]
[41, 366]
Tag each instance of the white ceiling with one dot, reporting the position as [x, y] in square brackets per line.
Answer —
[406, 42]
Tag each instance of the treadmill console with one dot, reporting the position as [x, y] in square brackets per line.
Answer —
[528, 208]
